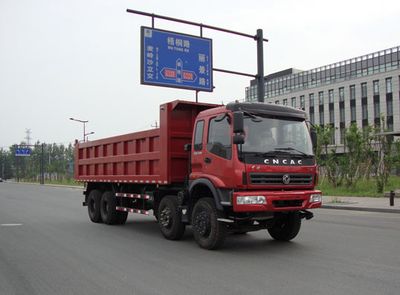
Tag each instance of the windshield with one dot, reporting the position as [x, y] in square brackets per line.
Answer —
[268, 135]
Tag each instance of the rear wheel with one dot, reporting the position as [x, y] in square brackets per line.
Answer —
[208, 232]
[286, 227]
[93, 203]
[108, 211]
[169, 218]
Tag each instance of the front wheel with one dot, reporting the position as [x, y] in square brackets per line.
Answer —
[208, 232]
[286, 226]
[169, 218]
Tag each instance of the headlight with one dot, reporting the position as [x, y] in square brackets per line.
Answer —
[251, 200]
[315, 198]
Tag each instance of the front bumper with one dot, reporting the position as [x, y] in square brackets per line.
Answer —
[277, 201]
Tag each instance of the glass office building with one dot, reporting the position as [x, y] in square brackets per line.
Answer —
[358, 90]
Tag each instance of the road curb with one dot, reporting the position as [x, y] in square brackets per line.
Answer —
[366, 209]
[48, 184]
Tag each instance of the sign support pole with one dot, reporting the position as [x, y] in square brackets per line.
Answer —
[260, 66]
[259, 38]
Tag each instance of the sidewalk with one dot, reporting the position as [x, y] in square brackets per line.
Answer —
[361, 204]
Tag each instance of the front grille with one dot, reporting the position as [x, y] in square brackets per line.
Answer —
[288, 203]
[277, 179]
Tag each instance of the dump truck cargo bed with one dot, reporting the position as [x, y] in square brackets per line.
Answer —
[154, 156]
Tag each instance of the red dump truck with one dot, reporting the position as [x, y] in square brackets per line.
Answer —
[221, 169]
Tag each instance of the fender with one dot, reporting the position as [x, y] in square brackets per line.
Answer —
[219, 195]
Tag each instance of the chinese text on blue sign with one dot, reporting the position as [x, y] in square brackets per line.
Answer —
[23, 152]
[176, 60]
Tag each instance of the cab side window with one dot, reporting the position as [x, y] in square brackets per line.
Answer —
[219, 138]
[198, 136]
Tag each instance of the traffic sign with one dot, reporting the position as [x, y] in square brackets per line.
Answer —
[177, 60]
[23, 152]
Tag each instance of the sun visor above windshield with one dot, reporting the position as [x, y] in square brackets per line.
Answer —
[267, 109]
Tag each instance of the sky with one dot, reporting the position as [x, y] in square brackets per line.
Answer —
[81, 58]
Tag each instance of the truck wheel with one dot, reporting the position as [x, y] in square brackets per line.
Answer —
[93, 202]
[109, 214]
[286, 227]
[208, 232]
[169, 218]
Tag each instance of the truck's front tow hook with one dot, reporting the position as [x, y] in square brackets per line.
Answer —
[306, 214]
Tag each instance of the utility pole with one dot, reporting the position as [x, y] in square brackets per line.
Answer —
[42, 165]
[260, 66]
[28, 136]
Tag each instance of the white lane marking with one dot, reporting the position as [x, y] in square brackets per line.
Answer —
[10, 224]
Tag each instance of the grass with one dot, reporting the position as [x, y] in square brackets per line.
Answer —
[363, 188]
[64, 182]
[57, 182]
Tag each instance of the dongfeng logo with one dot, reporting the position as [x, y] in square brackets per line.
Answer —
[286, 179]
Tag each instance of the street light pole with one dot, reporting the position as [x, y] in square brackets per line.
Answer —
[89, 133]
[84, 126]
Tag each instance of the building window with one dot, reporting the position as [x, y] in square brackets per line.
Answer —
[321, 97]
[342, 134]
[285, 102]
[302, 102]
[312, 117]
[389, 85]
[389, 111]
[294, 102]
[364, 108]
[321, 117]
[390, 123]
[376, 87]
[330, 93]
[331, 116]
[363, 89]
[341, 94]
[332, 139]
[377, 108]
[311, 99]
[353, 110]
[352, 92]
[389, 106]
[341, 112]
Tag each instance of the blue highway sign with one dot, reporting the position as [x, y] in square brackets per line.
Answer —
[177, 60]
[23, 152]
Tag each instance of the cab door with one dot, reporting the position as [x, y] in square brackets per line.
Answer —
[217, 153]
[197, 150]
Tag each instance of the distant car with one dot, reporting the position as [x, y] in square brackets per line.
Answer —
[1, 179]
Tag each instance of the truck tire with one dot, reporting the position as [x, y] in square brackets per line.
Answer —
[286, 228]
[93, 202]
[169, 218]
[208, 232]
[108, 211]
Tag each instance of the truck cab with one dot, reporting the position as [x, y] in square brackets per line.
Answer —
[257, 162]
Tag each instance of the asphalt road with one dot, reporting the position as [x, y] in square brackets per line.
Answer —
[49, 246]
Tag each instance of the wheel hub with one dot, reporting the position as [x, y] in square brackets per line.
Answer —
[202, 223]
[165, 217]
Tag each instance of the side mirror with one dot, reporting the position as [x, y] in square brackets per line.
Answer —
[314, 138]
[238, 122]
[238, 139]
[187, 147]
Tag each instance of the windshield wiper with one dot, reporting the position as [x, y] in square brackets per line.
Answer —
[269, 153]
[253, 117]
[293, 149]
